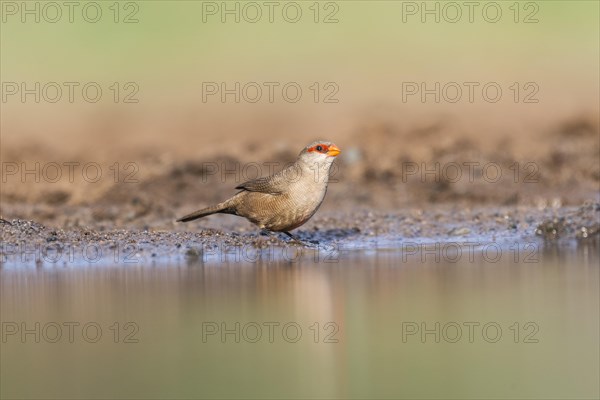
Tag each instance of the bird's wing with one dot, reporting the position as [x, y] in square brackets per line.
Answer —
[274, 184]
[264, 185]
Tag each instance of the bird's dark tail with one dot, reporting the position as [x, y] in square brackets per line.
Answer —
[222, 207]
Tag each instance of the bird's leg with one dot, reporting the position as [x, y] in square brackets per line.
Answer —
[296, 240]
[290, 235]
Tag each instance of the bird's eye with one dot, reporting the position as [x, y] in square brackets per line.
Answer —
[319, 148]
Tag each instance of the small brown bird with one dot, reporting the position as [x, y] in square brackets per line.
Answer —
[285, 200]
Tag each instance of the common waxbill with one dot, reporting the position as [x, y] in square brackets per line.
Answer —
[285, 200]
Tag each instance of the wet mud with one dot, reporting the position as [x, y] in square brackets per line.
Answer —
[34, 244]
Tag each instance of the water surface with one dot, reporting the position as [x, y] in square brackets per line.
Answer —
[361, 323]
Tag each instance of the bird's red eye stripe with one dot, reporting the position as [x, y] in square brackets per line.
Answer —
[320, 148]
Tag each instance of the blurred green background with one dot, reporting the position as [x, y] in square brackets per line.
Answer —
[368, 53]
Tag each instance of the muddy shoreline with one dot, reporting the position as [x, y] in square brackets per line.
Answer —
[30, 243]
[392, 183]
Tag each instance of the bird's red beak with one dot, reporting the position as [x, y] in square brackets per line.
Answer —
[333, 150]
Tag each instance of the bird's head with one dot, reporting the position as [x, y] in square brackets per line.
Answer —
[319, 154]
[320, 150]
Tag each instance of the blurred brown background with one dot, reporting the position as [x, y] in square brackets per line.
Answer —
[357, 65]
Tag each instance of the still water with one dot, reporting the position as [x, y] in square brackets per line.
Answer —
[362, 324]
